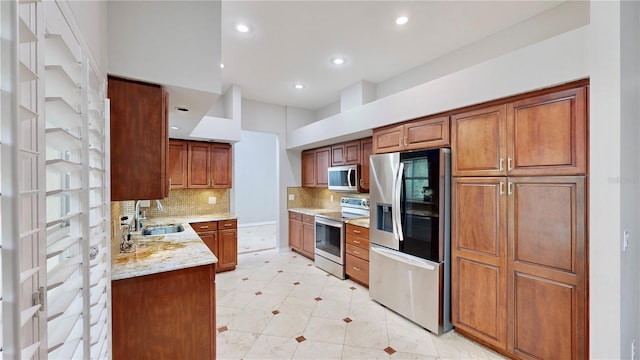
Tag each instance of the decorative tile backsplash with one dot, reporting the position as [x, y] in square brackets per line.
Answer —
[317, 198]
[183, 202]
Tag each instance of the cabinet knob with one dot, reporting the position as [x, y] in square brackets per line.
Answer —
[501, 164]
[356, 231]
[501, 188]
[509, 164]
[356, 241]
[227, 225]
[204, 227]
[356, 268]
[356, 252]
[510, 188]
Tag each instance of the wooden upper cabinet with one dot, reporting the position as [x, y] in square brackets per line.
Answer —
[547, 134]
[308, 159]
[221, 168]
[478, 144]
[199, 165]
[539, 135]
[413, 135]
[345, 154]
[366, 149]
[209, 165]
[139, 140]
[177, 162]
[323, 161]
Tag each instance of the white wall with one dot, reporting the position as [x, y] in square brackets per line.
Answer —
[254, 178]
[629, 174]
[91, 16]
[297, 117]
[554, 61]
[261, 117]
[567, 16]
[604, 182]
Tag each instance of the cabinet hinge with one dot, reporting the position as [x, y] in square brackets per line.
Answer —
[38, 298]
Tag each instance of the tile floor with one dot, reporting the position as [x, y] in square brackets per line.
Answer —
[256, 238]
[277, 305]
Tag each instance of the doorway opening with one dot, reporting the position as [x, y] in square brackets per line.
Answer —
[256, 191]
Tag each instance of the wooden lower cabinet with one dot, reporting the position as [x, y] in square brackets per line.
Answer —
[302, 234]
[519, 274]
[222, 239]
[357, 254]
[169, 315]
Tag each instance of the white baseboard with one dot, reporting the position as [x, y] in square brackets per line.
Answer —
[257, 224]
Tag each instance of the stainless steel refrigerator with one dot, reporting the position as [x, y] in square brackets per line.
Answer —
[410, 234]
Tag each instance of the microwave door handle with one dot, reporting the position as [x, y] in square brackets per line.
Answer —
[396, 205]
[349, 177]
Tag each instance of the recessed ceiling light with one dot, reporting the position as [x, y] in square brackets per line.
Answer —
[242, 28]
[338, 61]
[221, 66]
[181, 108]
[175, 128]
[402, 20]
[299, 86]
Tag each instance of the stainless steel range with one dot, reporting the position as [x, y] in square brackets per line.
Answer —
[329, 249]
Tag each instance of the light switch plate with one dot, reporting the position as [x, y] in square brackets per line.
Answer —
[212, 200]
[292, 197]
[145, 203]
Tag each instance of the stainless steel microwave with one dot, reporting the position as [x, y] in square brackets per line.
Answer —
[344, 178]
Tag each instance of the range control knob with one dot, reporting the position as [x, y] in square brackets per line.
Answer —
[365, 202]
[344, 200]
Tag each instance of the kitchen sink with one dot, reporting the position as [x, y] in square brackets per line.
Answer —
[160, 230]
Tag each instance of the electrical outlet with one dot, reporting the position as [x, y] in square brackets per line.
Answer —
[292, 197]
[145, 203]
[212, 200]
[625, 240]
[331, 197]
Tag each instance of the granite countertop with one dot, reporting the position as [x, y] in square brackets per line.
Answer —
[362, 222]
[168, 252]
[311, 211]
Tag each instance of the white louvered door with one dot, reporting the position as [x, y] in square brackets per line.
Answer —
[55, 208]
[22, 192]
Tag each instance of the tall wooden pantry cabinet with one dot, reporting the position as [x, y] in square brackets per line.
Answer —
[519, 243]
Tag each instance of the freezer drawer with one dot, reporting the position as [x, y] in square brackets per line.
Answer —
[408, 285]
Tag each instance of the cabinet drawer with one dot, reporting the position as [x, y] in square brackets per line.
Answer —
[227, 224]
[357, 269]
[308, 218]
[358, 231]
[357, 241]
[205, 226]
[358, 252]
[295, 215]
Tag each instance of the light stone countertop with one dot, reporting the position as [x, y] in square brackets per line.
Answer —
[362, 222]
[168, 252]
[311, 211]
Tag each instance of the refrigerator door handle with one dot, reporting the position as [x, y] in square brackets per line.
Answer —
[396, 203]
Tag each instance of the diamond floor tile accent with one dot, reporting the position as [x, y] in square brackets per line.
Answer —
[315, 313]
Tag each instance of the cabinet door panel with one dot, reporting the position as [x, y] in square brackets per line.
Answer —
[309, 239]
[548, 134]
[177, 164]
[479, 300]
[211, 240]
[366, 148]
[429, 133]
[198, 174]
[544, 318]
[220, 165]
[228, 248]
[478, 143]
[352, 153]
[323, 159]
[548, 221]
[309, 168]
[295, 234]
[478, 217]
[388, 140]
[337, 155]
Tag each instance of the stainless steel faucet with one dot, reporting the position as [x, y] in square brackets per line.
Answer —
[137, 217]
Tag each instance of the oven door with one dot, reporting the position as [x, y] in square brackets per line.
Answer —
[330, 240]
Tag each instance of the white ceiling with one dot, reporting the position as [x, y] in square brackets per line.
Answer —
[293, 41]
